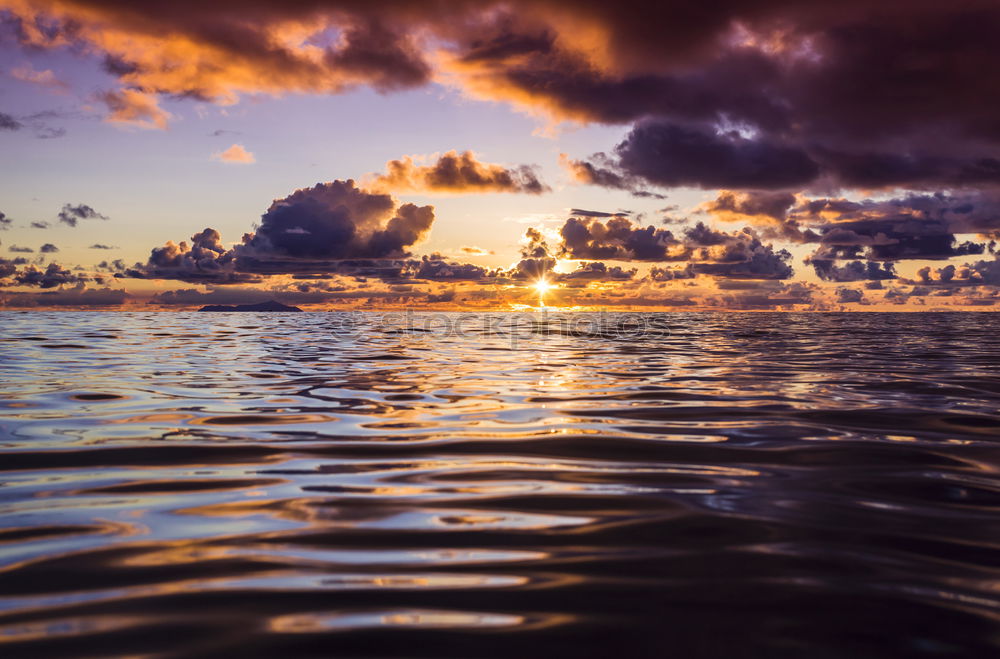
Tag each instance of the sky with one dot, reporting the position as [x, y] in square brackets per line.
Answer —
[337, 154]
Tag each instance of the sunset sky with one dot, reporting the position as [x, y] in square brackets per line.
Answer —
[740, 155]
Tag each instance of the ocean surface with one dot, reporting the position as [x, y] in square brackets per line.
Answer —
[499, 485]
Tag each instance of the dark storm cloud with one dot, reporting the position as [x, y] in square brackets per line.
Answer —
[867, 98]
[437, 269]
[205, 259]
[670, 155]
[892, 240]
[330, 228]
[978, 273]
[740, 254]
[384, 58]
[71, 214]
[618, 238]
[884, 170]
[911, 227]
[458, 173]
[337, 220]
[604, 172]
[7, 267]
[53, 275]
[828, 270]
[596, 271]
[849, 295]
[829, 75]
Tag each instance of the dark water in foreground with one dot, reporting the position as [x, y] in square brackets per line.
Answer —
[777, 485]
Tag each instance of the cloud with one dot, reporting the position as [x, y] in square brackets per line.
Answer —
[828, 270]
[48, 248]
[7, 268]
[205, 259]
[77, 296]
[215, 56]
[618, 238]
[849, 295]
[52, 276]
[455, 172]
[750, 206]
[658, 274]
[978, 273]
[8, 122]
[337, 220]
[764, 209]
[37, 122]
[669, 154]
[583, 212]
[71, 215]
[328, 228]
[40, 224]
[601, 171]
[766, 295]
[383, 57]
[101, 246]
[764, 95]
[134, 108]
[46, 78]
[436, 269]
[235, 154]
[739, 254]
[20, 250]
[595, 271]
[911, 227]
[5, 222]
[474, 251]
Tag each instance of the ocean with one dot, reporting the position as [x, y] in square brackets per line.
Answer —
[361, 484]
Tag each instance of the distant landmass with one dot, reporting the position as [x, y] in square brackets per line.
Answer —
[270, 305]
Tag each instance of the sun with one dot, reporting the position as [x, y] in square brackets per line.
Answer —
[542, 286]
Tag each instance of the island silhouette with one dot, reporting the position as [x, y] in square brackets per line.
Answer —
[270, 305]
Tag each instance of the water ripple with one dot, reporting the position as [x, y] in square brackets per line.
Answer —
[327, 484]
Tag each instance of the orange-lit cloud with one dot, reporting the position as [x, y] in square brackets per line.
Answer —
[235, 154]
[134, 108]
[45, 78]
[455, 172]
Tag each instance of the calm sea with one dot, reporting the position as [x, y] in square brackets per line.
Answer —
[499, 485]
